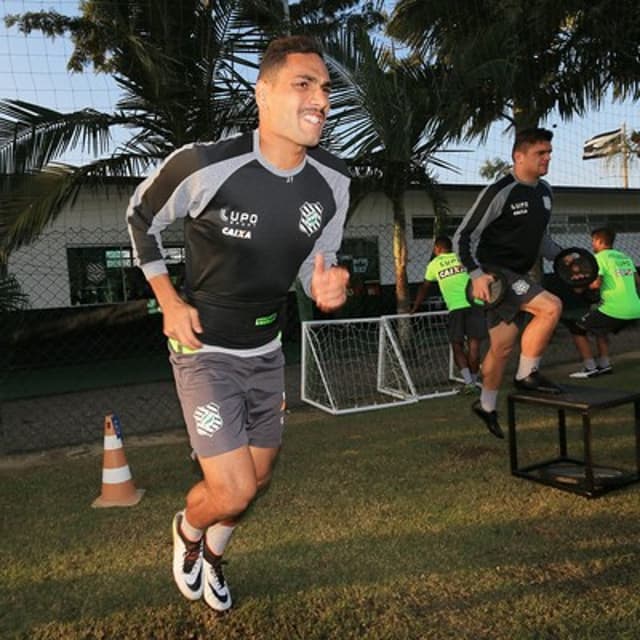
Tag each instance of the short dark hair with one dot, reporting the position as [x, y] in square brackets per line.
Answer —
[526, 137]
[444, 243]
[604, 234]
[276, 54]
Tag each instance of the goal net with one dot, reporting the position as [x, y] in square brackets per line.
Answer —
[371, 363]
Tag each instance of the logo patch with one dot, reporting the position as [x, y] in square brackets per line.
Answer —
[520, 208]
[520, 287]
[546, 201]
[310, 217]
[208, 419]
[238, 224]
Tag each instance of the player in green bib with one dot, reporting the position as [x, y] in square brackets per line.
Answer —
[465, 323]
[619, 306]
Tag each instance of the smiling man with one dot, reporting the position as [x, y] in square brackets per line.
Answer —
[259, 210]
[506, 230]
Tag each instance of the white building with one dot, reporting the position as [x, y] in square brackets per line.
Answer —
[84, 257]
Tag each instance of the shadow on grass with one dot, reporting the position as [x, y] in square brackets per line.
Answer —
[456, 569]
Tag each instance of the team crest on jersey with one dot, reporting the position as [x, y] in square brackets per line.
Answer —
[310, 217]
[520, 287]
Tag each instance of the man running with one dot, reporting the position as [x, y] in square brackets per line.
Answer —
[259, 209]
[506, 230]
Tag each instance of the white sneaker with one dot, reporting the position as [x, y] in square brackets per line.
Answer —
[585, 373]
[187, 562]
[216, 589]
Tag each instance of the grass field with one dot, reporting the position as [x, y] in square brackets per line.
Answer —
[398, 524]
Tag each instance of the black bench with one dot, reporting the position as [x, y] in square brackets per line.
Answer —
[579, 476]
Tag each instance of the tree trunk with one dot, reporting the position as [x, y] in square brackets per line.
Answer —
[400, 256]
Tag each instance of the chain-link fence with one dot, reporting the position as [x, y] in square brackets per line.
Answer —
[90, 338]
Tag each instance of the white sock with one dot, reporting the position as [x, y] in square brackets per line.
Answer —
[189, 531]
[489, 399]
[474, 377]
[589, 364]
[603, 361]
[466, 375]
[218, 536]
[526, 365]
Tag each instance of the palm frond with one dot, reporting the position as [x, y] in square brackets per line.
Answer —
[30, 202]
[12, 298]
[31, 136]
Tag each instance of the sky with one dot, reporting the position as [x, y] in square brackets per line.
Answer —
[33, 69]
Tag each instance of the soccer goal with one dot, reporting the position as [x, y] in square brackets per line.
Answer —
[371, 363]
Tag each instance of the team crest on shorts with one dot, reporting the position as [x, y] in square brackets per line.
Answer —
[310, 217]
[520, 287]
[208, 419]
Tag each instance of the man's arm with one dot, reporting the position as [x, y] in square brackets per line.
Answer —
[326, 283]
[423, 290]
[160, 199]
[549, 248]
[180, 320]
[597, 283]
[486, 209]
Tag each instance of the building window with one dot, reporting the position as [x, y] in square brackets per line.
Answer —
[106, 275]
[360, 256]
[422, 227]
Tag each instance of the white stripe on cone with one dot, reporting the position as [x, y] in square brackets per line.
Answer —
[117, 475]
[112, 442]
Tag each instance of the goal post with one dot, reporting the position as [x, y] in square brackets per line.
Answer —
[360, 364]
[422, 346]
[341, 367]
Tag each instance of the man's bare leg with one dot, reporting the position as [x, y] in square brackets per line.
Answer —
[502, 340]
[546, 310]
[231, 481]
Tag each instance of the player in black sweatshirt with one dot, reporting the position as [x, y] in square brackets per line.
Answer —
[506, 230]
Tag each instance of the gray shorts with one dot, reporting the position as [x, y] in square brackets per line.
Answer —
[230, 402]
[468, 322]
[520, 290]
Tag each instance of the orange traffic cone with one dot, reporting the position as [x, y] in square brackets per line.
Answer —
[118, 489]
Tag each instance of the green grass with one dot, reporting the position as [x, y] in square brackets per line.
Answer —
[398, 524]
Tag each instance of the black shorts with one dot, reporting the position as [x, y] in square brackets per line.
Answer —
[520, 290]
[469, 321]
[598, 323]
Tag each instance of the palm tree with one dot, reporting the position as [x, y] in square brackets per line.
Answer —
[184, 71]
[385, 110]
[11, 296]
[521, 60]
[182, 68]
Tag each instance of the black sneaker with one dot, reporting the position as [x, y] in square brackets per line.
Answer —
[604, 370]
[216, 589]
[535, 381]
[187, 562]
[490, 419]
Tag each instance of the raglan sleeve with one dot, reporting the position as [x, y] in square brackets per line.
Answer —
[159, 200]
[484, 210]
